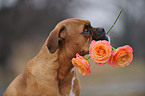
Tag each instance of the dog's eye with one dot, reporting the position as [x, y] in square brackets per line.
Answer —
[86, 29]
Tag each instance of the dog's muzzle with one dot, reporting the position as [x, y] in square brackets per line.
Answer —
[99, 34]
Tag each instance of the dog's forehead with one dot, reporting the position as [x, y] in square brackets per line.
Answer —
[74, 21]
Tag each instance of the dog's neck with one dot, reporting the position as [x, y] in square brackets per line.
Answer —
[65, 66]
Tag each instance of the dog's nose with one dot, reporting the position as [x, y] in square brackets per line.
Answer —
[101, 29]
[100, 34]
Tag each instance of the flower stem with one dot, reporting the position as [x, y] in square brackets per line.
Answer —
[87, 58]
[113, 49]
[115, 21]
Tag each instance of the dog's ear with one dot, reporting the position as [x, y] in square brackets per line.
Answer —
[56, 35]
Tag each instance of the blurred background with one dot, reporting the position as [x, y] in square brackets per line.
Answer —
[25, 25]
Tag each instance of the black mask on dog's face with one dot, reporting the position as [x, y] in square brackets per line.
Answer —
[97, 33]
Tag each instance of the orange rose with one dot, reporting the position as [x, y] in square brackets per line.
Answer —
[81, 64]
[122, 56]
[100, 51]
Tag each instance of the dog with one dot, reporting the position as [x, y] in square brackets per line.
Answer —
[50, 72]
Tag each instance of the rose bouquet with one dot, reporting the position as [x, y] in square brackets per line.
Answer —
[101, 52]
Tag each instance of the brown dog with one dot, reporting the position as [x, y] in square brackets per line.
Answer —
[51, 72]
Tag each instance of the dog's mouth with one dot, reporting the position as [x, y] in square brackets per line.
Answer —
[99, 34]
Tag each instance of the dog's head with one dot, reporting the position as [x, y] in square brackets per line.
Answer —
[74, 36]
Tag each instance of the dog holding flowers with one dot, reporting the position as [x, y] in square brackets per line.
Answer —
[51, 72]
